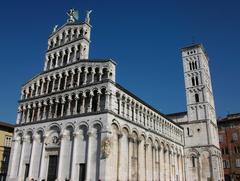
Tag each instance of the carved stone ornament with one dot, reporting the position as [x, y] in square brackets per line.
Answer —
[106, 147]
[55, 140]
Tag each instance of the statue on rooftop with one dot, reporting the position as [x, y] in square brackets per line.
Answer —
[55, 28]
[73, 15]
[87, 19]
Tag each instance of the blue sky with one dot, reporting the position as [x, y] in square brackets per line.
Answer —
[143, 37]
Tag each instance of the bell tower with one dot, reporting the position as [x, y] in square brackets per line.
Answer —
[203, 156]
[199, 94]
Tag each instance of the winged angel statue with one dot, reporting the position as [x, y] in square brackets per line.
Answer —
[73, 15]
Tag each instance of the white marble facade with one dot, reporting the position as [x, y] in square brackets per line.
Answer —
[76, 123]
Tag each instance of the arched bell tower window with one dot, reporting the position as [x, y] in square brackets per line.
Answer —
[196, 97]
[197, 83]
[193, 65]
[193, 161]
[190, 66]
[193, 81]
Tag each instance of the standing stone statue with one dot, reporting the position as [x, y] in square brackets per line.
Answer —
[87, 19]
[55, 28]
[73, 15]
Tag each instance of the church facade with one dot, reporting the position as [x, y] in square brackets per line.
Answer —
[75, 122]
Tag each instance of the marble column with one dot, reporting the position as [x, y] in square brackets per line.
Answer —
[50, 109]
[82, 108]
[72, 78]
[89, 108]
[176, 167]
[39, 111]
[89, 151]
[24, 151]
[79, 74]
[130, 156]
[75, 54]
[85, 77]
[68, 56]
[28, 113]
[33, 112]
[59, 82]
[64, 158]
[162, 167]
[166, 164]
[74, 156]
[15, 157]
[44, 110]
[56, 108]
[57, 59]
[48, 82]
[76, 104]
[123, 160]
[65, 82]
[63, 54]
[98, 101]
[170, 165]
[92, 76]
[69, 106]
[153, 162]
[35, 157]
[141, 159]
[42, 88]
[100, 76]
[62, 108]
[54, 82]
[107, 94]
[37, 88]
[43, 162]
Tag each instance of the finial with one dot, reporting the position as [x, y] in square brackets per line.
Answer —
[73, 15]
[55, 28]
[87, 19]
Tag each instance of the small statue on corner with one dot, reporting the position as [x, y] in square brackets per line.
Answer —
[55, 28]
[87, 19]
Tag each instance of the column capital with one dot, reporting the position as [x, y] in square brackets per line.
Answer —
[45, 103]
[34, 105]
[84, 94]
[77, 97]
[73, 71]
[79, 69]
[89, 133]
[54, 76]
[130, 138]
[91, 93]
[24, 107]
[76, 133]
[51, 101]
[20, 108]
[119, 135]
[146, 145]
[63, 135]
